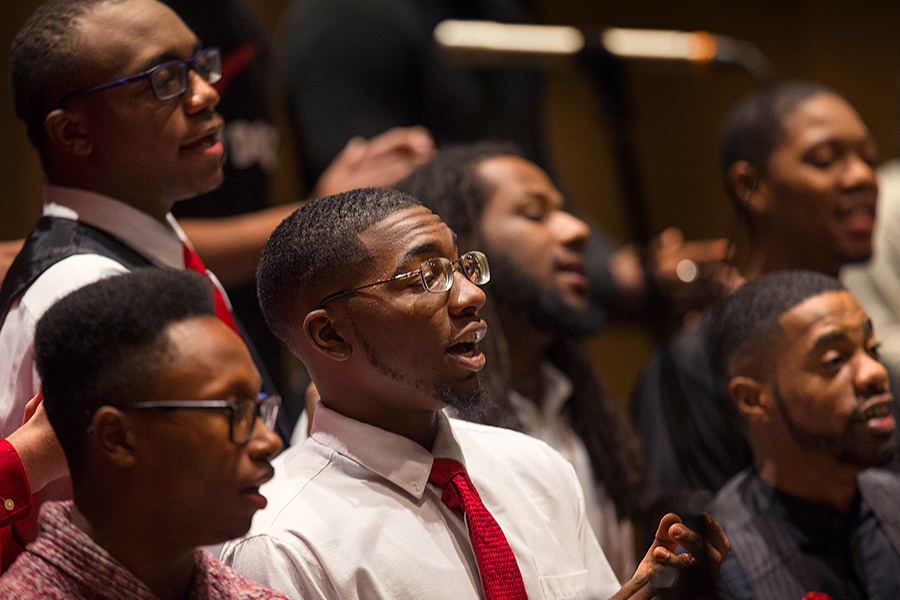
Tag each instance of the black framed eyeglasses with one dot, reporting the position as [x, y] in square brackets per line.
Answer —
[169, 79]
[242, 412]
[436, 274]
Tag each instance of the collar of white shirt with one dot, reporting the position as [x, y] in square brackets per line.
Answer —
[158, 241]
[400, 460]
[557, 390]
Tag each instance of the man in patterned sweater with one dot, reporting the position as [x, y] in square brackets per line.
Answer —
[155, 403]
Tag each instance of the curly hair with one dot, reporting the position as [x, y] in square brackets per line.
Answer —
[104, 344]
[47, 61]
[316, 248]
[744, 322]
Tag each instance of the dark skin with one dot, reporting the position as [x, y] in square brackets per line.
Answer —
[350, 348]
[122, 141]
[832, 388]
[184, 459]
[524, 220]
[813, 205]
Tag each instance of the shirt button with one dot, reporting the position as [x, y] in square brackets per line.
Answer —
[9, 504]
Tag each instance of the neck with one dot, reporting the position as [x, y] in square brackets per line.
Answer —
[805, 477]
[166, 570]
[154, 206]
[770, 255]
[527, 348]
[420, 425]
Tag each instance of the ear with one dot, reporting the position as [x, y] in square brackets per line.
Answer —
[67, 130]
[749, 396]
[323, 334]
[749, 187]
[112, 432]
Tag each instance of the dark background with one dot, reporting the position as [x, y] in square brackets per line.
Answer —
[853, 47]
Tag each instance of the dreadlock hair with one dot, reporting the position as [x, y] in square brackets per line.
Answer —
[451, 186]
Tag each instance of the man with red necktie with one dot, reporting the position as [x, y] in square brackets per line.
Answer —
[123, 114]
[390, 498]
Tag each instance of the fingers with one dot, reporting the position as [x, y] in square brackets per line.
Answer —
[32, 406]
[353, 151]
[718, 545]
[670, 238]
[415, 141]
[637, 588]
[668, 526]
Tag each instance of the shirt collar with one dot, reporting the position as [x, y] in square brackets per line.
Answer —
[557, 390]
[159, 242]
[400, 460]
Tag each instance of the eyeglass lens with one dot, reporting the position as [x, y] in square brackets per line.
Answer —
[243, 416]
[170, 80]
[437, 273]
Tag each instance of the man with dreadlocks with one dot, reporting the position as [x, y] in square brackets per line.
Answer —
[537, 373]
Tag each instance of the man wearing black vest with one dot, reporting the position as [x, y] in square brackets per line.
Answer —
[118, 101]
[797, 356]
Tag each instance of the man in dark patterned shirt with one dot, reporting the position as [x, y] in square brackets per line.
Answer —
[155, 403]
[797, 356]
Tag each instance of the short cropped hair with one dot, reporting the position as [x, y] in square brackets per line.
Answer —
[449, 184]
[755, 127]
[47, 61]
[745, 323]
[104, 344]
[317, 246]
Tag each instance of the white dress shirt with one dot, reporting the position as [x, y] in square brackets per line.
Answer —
[157, 241]
[550, 424]
[351, 515]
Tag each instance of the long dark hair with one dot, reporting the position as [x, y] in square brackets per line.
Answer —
[450, 186]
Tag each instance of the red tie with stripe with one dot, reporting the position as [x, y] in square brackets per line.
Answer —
[500, 574]
[192, 262]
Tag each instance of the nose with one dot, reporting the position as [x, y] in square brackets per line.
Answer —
[570, 230]
[264, 443]
[871, 376]
[200, 95]
[859, 173]
[465, 296]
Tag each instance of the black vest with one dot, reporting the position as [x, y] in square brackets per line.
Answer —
[55, 238]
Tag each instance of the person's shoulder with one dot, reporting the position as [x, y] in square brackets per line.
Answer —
[18, 581]
[504, 440]
[496, 446]
[294, 469]
[879, 476]
[68, 275]
[880, 488]
[225, 582]
[741, 499]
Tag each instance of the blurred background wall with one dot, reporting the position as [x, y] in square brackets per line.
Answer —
[851, 46]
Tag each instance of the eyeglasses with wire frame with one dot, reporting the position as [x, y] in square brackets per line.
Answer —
[169, 79]
[436, 274]
[243, 412]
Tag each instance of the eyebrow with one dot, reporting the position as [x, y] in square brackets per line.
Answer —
[829, 338]
[419, 250]
[836, 336]
[167, 56]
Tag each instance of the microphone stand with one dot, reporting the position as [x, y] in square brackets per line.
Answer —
[609, 78]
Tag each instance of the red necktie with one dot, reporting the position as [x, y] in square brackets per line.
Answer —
[192, 262]
[500, 574]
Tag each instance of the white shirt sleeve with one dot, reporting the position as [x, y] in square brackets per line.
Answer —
[19, 380]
